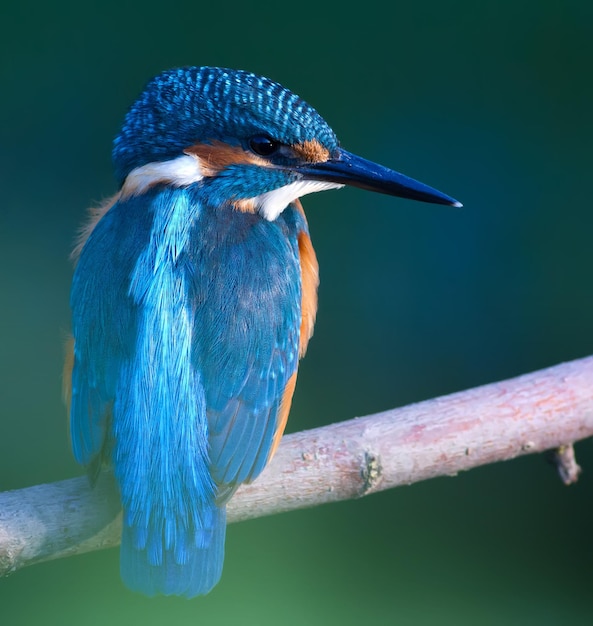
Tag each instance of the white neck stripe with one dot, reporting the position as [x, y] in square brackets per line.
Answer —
[272, 203]
[181, 172]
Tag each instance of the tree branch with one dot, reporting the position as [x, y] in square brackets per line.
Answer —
[545, 410]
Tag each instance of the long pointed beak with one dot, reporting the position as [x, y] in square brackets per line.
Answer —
[346, 168]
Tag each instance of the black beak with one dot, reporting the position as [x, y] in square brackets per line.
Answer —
[346, 168]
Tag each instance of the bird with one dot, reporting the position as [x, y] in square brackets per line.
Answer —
[194, 296]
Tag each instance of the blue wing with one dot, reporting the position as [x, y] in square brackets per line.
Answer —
[186, 323]
[247, 285]
[136, 393]
[104, 327]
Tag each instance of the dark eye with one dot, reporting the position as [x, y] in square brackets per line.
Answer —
[264, 146]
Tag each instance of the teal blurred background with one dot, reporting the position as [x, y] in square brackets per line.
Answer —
[490, 102]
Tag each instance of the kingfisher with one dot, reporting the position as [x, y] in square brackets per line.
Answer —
[194, 295]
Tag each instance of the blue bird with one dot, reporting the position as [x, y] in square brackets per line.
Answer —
[193, 297]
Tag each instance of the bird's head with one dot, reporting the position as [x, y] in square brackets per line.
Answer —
[251, 144]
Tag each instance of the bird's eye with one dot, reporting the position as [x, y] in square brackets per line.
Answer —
[264, 146]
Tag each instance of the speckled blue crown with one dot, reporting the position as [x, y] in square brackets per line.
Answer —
[183, 106]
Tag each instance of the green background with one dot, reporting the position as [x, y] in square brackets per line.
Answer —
[490, 102]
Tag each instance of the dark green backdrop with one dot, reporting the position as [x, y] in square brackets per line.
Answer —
[490, 102]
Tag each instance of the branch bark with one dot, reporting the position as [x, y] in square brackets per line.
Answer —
[544, 410]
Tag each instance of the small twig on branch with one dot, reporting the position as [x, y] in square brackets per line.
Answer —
[566, 464]
[532, 413]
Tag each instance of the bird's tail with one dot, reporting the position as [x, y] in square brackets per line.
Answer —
[183, 566]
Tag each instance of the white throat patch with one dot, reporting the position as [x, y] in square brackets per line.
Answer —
[272, 203]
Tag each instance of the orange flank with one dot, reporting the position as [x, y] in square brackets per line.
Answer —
[282, 417]
[309, 285]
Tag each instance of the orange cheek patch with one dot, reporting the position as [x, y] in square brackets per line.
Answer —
[311, 151]
[216, 156]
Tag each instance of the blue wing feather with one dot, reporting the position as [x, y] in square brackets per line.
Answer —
[186, 321]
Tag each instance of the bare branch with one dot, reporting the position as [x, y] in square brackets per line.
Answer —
[545, 410]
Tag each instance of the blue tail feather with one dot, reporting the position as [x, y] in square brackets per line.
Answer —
[189, 570]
